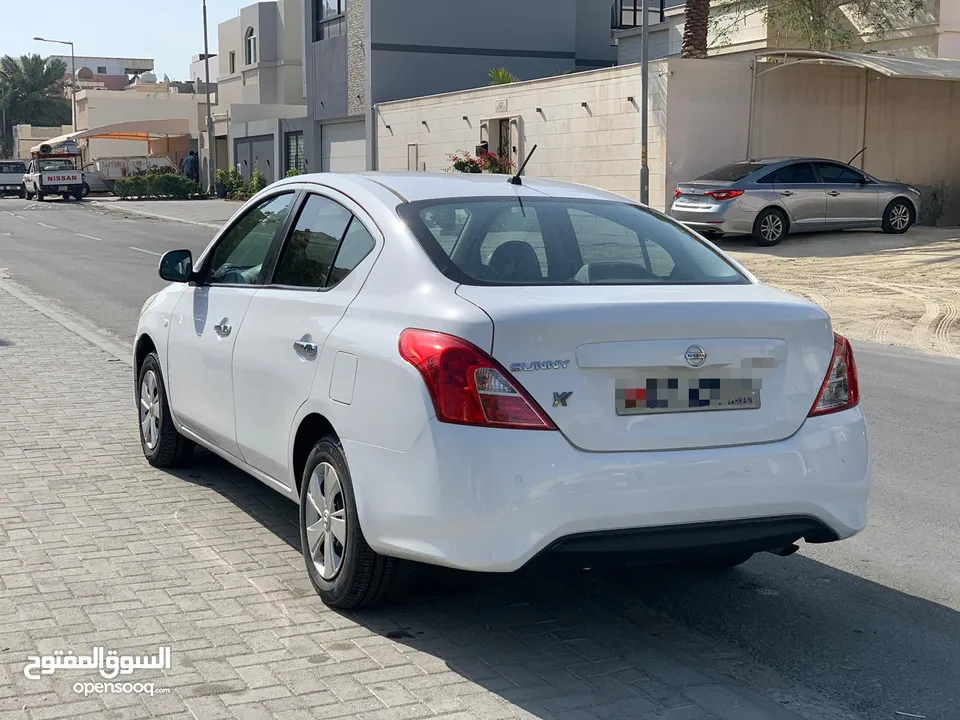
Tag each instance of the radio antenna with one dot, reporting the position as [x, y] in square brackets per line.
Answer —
[515, 180]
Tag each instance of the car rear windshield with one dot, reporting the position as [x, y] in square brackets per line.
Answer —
[48, 165]
[554, 241]
[732, 173]
[12, 167]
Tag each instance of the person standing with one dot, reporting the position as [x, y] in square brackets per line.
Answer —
[191, 166]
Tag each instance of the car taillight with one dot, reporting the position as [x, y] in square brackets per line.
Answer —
[841, 386]
[467, 386]
[724, 194]
[677, 193]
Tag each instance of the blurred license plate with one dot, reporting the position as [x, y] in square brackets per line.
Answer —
[666, 395]
[63, 188]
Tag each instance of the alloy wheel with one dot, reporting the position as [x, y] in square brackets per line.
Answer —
[771, 227]
[325, 517]
[899, 217]
[150, 409]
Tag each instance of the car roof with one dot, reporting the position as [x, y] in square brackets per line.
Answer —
[415, 186]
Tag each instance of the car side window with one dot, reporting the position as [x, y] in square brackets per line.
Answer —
[326, 243]
[356, 245]
[840, 174]
[796, 174]
[238, 257]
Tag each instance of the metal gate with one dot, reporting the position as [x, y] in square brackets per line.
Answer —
[255, 153]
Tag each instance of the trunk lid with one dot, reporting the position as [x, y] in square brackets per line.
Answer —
[695, 192]
[630, 358]
[61, 177]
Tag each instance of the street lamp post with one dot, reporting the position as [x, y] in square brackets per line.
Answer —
[73, 73]
[211, 138]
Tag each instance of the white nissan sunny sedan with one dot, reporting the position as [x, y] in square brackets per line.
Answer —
[467, 371]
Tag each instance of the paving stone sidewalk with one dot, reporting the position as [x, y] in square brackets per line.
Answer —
[99, 549]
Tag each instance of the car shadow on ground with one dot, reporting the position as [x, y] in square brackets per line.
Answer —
[846, 243]
[564, 635]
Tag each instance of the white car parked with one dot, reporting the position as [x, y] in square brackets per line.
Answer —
[466, 371]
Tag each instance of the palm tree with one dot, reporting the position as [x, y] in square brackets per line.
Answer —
[502, 76]
[31, 91]
[695, 25]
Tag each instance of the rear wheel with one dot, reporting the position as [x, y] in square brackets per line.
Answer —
[343, 569]
[78, 194]
[898, 217]
[65, 196]
[769, 228]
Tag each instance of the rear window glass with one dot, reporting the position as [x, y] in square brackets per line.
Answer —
[12, 167]
[552, 241]
[732, 173]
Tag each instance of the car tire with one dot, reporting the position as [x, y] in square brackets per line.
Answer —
[163, 445]
[78, 195]
[23, 193]
[84, 192]
[770, 227]
[898, 217]
[39, 195]
[356, 576]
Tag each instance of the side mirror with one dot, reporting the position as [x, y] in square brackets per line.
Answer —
[176, 266]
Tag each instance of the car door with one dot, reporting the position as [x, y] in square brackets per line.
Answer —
[319, 270]
[801, 193]
[207, 320]
[852, 201]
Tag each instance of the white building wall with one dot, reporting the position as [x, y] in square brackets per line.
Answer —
[598, 144]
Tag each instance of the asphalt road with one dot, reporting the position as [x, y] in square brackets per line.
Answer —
[872, 624]
[91, 262]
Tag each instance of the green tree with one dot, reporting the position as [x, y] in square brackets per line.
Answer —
[502, 76]
[696, 23]
[31, 91]
[821, 24]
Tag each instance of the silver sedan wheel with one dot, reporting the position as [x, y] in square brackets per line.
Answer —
[326, 519]
[899, 217]
[150, 409]
[771, 227]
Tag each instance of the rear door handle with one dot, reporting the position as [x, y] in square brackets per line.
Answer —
[786, 192]
[307, 349]
[833, 193]
[223, 327]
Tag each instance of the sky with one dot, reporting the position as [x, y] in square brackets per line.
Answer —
[170, 31]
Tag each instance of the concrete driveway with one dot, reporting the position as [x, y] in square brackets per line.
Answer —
[892, 289]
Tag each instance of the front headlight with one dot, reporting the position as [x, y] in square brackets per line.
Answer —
[148, 302]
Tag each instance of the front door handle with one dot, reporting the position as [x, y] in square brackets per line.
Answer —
[307, 349]
[787, 193]
[223, 328]
[833, 193]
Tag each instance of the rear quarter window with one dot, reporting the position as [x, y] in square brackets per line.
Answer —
[554, 241]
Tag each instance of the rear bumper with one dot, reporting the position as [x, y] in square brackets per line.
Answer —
[491, 500]
[725, 218]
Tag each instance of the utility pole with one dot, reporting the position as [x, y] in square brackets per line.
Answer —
[73, 80]
[644, 98]
[211, 138]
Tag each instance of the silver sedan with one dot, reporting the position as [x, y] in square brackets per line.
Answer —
[770, 198]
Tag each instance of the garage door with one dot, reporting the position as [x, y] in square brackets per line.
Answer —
[343, 147]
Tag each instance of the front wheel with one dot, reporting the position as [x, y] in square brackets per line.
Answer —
[769, 228]
[898, 217]
[39, 195]
[343, 569]
[163, 446]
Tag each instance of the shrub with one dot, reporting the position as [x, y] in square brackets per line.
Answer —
[465, 163]
[258, 181]
[164, 185]
[293, 172]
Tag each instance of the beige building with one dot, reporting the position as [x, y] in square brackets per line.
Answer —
[933, 33]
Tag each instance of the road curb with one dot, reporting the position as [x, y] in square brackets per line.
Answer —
[155, 216]
[117, 350]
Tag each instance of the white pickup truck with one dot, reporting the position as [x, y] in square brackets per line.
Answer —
[11, 177]
[53, 176]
